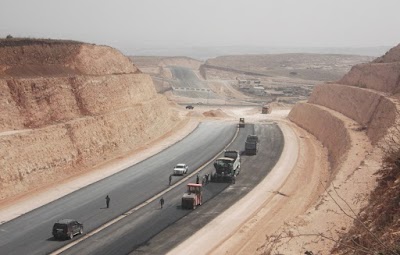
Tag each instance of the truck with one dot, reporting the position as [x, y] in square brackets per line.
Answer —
[241, 123]
[226, 167]
[193, 196]
[266, 109]
[251, 145]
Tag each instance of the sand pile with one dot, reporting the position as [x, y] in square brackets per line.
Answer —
[215, 113]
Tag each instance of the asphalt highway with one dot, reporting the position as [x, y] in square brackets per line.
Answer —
[194, 87]
[152, 230]
[31, 233]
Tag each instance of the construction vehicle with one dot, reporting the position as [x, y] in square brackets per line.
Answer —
[266, 109]
[193, 196]
[226, 167]
[241, 123]
[251, 145]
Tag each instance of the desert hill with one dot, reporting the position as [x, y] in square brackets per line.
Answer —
[67, 106]
[322, 67]
[363, 103]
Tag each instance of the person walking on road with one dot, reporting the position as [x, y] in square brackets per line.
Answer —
[197, 179]
[161, 202]
[108, 201]
[170, 179]
[204, 180]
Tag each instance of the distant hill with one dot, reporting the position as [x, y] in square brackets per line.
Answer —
[203, 53]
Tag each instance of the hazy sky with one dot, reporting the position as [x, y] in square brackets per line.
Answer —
[127, 24]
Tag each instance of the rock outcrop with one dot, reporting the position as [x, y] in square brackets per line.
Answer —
[68, 106]
[366, 94]
[364, 103]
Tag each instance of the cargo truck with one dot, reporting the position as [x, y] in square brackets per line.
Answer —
[251, 145]
[241, 123]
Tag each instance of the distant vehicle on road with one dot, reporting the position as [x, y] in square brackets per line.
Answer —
[190, 107]
[67, 229]
[241, 123]
[193, 196]
[180, 169]
[251, 145]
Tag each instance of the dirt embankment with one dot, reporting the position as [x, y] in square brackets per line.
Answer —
[367, 97]
[373, 105]
[68, 106]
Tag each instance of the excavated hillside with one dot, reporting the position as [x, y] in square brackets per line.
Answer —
[365, 102]
[67, 106]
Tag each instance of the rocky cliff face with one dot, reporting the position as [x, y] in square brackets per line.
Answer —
[364, 103]
[68, 106]
[367, 94]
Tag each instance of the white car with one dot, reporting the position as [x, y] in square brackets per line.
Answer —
[181, 169]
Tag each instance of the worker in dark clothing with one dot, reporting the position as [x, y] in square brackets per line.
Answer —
[198, 179]
[170, 179]
[162, 202]
[108, 201]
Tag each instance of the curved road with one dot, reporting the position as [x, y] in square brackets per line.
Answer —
[148, 230]
[190, 85]
[151, 230]
[31, 233]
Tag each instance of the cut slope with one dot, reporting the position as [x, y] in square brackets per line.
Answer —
[68, 106]
[375, 112]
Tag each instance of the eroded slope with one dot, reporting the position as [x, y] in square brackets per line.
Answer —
[68, 106]
[368, 96]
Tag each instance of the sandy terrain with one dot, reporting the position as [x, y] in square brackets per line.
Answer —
[305, 204]
[284, 204]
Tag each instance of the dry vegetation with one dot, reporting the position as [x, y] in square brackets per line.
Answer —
[376, 228]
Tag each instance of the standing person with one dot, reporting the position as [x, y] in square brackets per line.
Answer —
[162, 202]
[170, 179]
[197, 179]
[108, 201]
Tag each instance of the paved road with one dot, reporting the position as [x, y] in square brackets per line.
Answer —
[152, 230]
[31, 233]
[185, 78]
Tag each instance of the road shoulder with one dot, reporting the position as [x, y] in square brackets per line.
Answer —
[210, 238]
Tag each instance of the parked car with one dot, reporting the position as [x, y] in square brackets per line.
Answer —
[190, 107]
[180, 169]
[67, 229]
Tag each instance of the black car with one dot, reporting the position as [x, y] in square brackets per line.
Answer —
[66, 229]
[190, 107]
